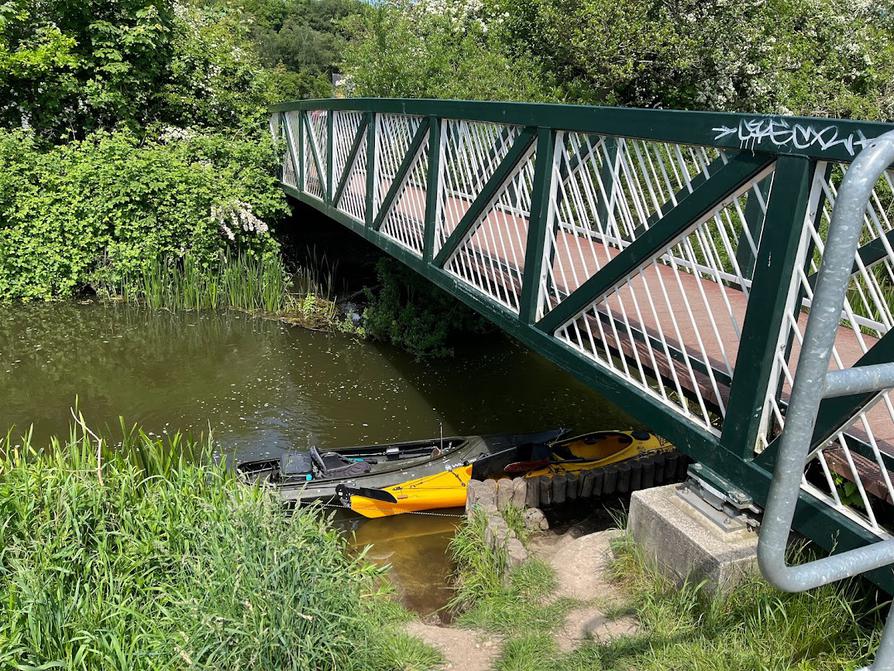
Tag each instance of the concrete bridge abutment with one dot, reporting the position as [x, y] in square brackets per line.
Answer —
[688, 545]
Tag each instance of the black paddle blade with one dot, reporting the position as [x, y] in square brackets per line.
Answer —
[345, 493]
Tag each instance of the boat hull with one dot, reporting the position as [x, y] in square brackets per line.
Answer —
[459, 451]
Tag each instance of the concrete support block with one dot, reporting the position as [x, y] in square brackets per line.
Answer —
[685, 544]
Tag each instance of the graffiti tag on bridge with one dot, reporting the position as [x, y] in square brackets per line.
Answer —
[781, 133]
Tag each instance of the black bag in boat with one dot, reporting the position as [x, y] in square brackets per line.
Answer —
[333, 465]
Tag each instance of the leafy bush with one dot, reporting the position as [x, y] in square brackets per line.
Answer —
[407, 49]
[97, 210]
[142, 558]
[414, 314]
[812, 57]
[69, 69]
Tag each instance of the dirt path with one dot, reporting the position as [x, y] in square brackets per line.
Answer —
[462, 649]
[581, 566]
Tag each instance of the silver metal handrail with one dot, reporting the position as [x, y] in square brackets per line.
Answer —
[814, 382]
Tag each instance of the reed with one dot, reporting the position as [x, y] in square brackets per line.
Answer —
[135, 553]
[241, 281]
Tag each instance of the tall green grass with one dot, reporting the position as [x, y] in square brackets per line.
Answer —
[755, 626]
[242, 281]
[140, 554]
[246, 282]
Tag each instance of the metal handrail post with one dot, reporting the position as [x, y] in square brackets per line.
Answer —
[814, 382]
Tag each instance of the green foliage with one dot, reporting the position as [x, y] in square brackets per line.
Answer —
[216, 79]
[67, 70]
[815, 57]
[415, 315]
[754, 626]
[139, 557]
[306, 37]
[95, 211]
[402, 48]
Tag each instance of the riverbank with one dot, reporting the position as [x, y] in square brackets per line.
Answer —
[591, 601]
[146, 555]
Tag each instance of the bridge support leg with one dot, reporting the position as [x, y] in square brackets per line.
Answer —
[692, 541]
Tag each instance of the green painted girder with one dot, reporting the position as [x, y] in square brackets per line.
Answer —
[820, 139]
[372, 166]
[538, 220]
[676, 223]
[813, 518]
[767, 303]
[489, 192]
[330, 146]
[315, 152]
[432, 184]
[870, 253]
[402, 174]
[301, 157]
[359, 138]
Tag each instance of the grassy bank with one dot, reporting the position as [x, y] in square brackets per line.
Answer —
[145, 556]
[491, 597]
[754, 627]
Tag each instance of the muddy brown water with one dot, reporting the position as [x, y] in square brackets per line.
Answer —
[263, 387]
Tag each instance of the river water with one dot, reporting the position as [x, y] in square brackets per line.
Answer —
[262, 387]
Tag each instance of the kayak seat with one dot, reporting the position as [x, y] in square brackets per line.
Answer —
[295, 463]
[333, 465]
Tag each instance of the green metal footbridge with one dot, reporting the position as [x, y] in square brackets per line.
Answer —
[670, 260]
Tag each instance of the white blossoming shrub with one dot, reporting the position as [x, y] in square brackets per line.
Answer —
[811, 57]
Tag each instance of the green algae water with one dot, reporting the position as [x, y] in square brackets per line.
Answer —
[262, 387]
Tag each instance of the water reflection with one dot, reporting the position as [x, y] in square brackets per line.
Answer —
[264, 387]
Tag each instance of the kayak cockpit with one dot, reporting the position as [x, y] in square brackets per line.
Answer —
[314, 465]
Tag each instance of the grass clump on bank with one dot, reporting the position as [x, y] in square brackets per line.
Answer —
[146, 557]
[753, 627]
[492, 597]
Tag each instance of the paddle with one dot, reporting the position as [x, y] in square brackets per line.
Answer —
[345, 493]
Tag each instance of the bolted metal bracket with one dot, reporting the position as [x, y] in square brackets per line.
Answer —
[718, 499]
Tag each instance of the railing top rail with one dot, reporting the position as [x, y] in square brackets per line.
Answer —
[817, 138]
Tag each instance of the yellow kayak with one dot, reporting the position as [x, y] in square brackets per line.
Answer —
[596, 450]
[441, 490]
